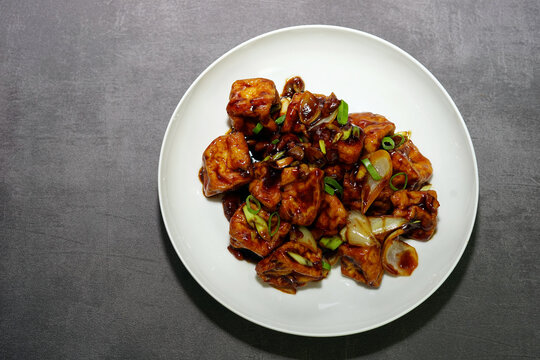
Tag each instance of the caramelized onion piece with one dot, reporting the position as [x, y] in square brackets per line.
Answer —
[371, 188]
[358, 230]
[385, 224]
[309, 108]
[398, 257]
[304, 236]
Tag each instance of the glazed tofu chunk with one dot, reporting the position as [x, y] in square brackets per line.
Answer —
[226, 164]
[290, 266]
[362, 263]
[246, 235]
[375, 127]
[302, 197]
[253, 101]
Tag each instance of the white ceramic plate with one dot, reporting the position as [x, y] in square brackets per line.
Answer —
[371, 75]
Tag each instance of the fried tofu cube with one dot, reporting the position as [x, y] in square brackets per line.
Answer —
[226, 164]
[253, 101]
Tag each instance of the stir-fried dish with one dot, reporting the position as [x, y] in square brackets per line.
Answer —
[306, 186]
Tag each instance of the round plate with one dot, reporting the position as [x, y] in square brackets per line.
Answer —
[371, 75]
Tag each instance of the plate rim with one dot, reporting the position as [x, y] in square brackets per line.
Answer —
[186, 95]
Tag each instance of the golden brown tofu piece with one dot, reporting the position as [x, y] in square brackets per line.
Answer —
[420, 208]
[253, 101]
[226, 164]
[362, 263]
[375, 127]
[332, 216]
[285, 273]
[265, 186]
[301, 197]
[408, 159]
[245, 236]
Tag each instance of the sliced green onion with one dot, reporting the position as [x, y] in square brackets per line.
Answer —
[257, 129]
[322, 146]
[388, 143]
[273, 232]
[333, 183]
[255, 221]
[326, 266]
[280, 120]
[330, 190]
[278, 155]
[392, 178]
[331, 243]
[346, 134]
[251, 199]
[267, 158]
[371, 169]
[401, 141]
[301, 139]
[300, 259]
[356, 131]
[425, 187]
[337, 137]
[343, 113]
[415, 222]
[275, 141]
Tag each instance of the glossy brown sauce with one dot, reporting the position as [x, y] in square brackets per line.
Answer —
[407, 261]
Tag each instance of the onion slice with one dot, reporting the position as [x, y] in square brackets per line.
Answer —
[385, 224]
[398, 257]
[358, 230]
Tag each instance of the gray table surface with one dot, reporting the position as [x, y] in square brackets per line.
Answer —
[86, 91]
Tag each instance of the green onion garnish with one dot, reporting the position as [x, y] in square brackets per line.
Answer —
[275, 141]
[257, 129]
[337, 137]
[346, 134]
[273, 232]
[415, 222]
[300, 259]
[252, 200]
[400, 141]
[343, 113]
[280, 120]
[301, 139]
[333, 183]
[371, 169]
[356, 131]
[255, 221]
[326, 266]
[330, 190]
[322, 146]
[388, 143]
[331, 243]
[279, 155]
[392, 178]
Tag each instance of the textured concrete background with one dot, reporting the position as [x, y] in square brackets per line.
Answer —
[86, 91]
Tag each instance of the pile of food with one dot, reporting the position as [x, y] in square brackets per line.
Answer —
[306, 185]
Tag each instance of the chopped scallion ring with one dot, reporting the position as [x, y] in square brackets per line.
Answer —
[326, 266]
[388, 143]
[322, 145]
[343, 113]
[392, 186]
[280, 120]
[331, 243]
[275, 141]
[401, 141]
[253, 200]
[346, 134]
[257, 129]
[278, 156]
[273, 232]
[371, 169]
[356, 131]
[300, 259]
[333, 183]
[330, 190]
